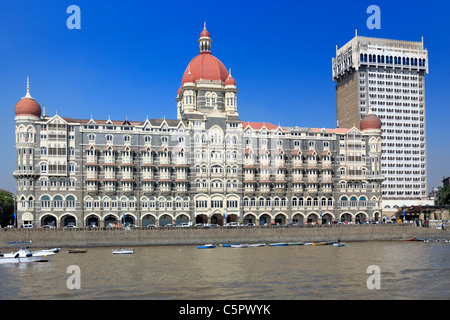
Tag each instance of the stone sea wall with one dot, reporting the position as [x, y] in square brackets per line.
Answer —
[194, 236]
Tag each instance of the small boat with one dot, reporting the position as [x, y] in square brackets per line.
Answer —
[76, 251]
[320, 244]
[280, 244]
[228, 245]
[339, 244]
[295, 243]
[240, 245]
[46, 251]
[24, 255]
[19, 242]
[123, 251]
[258, 245]
[412, 239]
[206, 246]
[308, 243]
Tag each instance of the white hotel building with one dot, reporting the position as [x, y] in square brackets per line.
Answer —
[206, 166]
[388, 76]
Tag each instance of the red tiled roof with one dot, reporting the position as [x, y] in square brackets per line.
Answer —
[259, 125]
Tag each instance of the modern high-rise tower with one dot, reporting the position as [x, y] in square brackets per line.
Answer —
[388, 77]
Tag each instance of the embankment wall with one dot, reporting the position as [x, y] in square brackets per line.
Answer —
[193, 236]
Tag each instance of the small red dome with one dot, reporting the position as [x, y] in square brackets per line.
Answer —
[205, 34]
[28, 107]
[230, 81]
[370, 121]
[206, 67]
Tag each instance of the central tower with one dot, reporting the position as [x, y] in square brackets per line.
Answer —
[206, 85]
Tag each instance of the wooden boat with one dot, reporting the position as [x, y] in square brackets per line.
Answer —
[123, 251]
[206, 246]
[258, 245]
[412, 239]
[281, 244]
[320, 244]
[76, 251]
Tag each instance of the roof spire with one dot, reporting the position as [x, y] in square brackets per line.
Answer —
[204, 25]
[28, 89]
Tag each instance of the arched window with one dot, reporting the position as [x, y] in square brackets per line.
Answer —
[45, 201]
[70, 201]
[276, 202]
[57, 202]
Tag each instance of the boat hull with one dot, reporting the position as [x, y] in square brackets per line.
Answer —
[258, 245]
[24, 255]
[123, 252]
[206, 247]
[278, 244]
[338, 244]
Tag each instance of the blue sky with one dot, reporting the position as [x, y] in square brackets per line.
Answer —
[128, 58]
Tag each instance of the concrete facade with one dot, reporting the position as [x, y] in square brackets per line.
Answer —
[388, 76]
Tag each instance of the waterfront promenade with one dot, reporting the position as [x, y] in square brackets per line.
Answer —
[64, 237]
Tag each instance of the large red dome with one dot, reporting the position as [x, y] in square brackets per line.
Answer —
[205, 67]
[370, 121]
[28, 107]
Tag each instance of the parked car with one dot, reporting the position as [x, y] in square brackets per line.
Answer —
[249, 224]
[183, 225]
[292, 224]
[232, 224]
[151, 225]
[47, 226]
[27, 226]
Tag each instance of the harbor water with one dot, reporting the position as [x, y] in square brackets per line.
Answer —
[407, 270]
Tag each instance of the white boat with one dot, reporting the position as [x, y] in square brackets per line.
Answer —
[53, 250]
[24, 255]
[258, 245]
[338, 244]
[281, 244]
[240, 245]
[308, 243]
[123, 251]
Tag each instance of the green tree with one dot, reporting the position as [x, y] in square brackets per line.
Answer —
[6, 207]
[444, 196]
